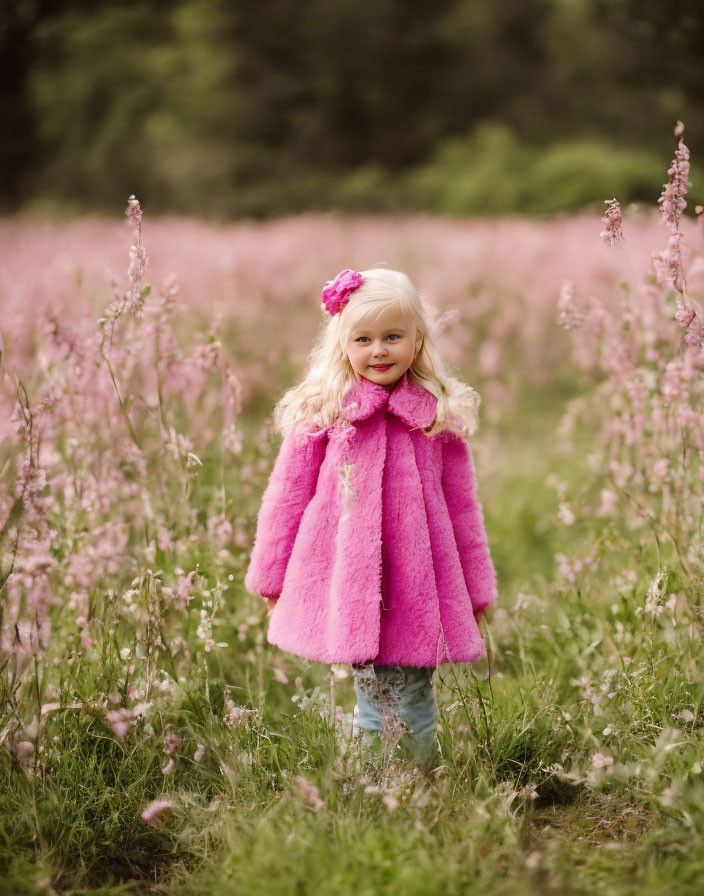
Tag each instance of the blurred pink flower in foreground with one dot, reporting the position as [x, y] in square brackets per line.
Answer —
[120, 720]
[569, 315]
[154, 812]
[310, 792]
[24, 749]
[601, 760]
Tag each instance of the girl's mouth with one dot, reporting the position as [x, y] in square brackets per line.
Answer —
[381, 366]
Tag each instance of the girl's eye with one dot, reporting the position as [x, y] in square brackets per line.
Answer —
[390, 336]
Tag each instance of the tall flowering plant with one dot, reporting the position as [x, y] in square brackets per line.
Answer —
[102, 519]
[648, 410]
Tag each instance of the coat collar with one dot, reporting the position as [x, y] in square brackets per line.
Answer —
[409, 401]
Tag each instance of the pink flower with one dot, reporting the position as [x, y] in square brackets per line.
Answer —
[120, 720]
[172, 742]
[336, 293]
[672, 202]
[24, 749]
[154, 812]
[600, 760]
[570, 315]
[688, 318]
[309, 792]
[134, 211]
[280, 675]
[661, 467]
[184, 589]
[612, 222]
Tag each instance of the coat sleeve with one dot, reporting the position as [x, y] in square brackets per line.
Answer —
[459, 484]
[291, 486]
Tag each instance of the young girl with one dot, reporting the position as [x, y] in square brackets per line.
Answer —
[370, 546]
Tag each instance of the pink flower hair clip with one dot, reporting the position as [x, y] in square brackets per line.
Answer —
[336, 293]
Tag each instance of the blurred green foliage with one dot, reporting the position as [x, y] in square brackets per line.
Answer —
[493, 171]
[229, 109]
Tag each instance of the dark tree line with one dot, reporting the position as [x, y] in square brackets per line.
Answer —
[258, 105]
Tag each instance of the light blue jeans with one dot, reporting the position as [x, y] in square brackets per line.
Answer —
[398, 702]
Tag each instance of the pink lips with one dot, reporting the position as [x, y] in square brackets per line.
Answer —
[381, 366]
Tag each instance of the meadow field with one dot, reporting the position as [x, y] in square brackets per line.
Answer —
[151, 741]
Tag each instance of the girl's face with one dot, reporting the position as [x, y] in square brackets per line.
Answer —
[382, 350]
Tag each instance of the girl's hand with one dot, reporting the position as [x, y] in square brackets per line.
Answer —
[270, 604]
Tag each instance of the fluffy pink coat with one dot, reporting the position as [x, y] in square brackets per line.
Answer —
[388, 562]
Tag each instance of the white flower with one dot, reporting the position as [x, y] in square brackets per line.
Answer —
[653, 607]
[193, 461]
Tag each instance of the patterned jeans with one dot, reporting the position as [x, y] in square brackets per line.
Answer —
[398, 702]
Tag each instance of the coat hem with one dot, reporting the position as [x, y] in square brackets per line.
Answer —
[329, 657]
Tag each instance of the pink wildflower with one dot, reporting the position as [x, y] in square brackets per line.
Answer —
[184, 590]
[689, 319]
[172, 742]
[138, 259]
[600, 760]
[120, 720]
[672, 202]
[565, 514]
[309, 792]
[231, 398]
[134, 211]
[612, 221]
[204, 357]
[390, 801]
[661, 468]
[24, 749]
[154, 812]
[235, 715]
[569, 316]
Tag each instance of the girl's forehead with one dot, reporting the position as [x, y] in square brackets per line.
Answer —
[391, 319]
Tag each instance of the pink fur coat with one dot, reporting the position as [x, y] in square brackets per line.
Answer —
[371, 537]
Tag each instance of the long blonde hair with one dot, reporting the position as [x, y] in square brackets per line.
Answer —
[316, 402]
